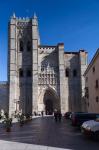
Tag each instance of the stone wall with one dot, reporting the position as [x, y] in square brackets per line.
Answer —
[20, 57]
[48, 73]
[92, 85]
[76, 63]
[73, 81]
[47, 65]
[83, 58]
[3, 97]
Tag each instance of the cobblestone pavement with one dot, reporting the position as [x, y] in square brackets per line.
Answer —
[44, 131]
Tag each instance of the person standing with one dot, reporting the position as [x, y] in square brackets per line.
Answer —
[55, 115]
[59, 116]
[42, 113]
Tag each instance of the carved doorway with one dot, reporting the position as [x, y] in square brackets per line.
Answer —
[51, 101]
[49, 107]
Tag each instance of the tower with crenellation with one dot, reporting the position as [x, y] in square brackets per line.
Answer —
[42, 77]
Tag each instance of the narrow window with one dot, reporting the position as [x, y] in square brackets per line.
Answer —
[67, 72]
[86, 92]
[74, 73]
[28, 46]
[21, 46]
[20, 72]
[97, 98]
[29, 73]
[96, 84]
[93, 69]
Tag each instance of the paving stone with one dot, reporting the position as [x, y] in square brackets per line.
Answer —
[45, 134]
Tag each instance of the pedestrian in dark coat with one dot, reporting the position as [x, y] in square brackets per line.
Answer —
[59, 116]
[42, 113]
[55, 115]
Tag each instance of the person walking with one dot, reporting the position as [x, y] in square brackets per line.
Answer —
[42, 113]
[55, 115]
[59, 116]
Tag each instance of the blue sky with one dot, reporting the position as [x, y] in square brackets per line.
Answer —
[74, 22]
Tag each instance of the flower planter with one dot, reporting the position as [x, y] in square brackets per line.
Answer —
[8, 129]
[7, 124]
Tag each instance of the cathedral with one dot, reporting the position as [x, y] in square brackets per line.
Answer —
[42, 77]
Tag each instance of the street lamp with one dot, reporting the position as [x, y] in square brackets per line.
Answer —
[16, 101]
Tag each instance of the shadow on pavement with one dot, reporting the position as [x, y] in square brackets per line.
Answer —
[45, 131]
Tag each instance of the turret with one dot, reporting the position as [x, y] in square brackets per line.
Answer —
[35, 28]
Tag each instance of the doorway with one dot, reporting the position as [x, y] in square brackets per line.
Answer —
[51, 101]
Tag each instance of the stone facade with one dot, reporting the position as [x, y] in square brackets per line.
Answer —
[92, 85]
[4, 97]
[42, 78]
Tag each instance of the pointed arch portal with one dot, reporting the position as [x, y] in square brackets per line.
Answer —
[51, 101]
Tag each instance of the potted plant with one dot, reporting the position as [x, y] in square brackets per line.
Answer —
[7, 124]
[21, 119]
[28, 117]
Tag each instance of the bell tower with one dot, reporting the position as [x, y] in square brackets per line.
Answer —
[12, 64]
[35, 43]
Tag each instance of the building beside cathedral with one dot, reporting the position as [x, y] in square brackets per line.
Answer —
[92, 84]
[42, 77]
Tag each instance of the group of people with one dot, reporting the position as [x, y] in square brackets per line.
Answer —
[57, 116]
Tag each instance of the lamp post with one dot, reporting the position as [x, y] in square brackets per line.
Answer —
[16, 101]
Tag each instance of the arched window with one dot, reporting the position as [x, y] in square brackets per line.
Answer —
[67, 72]
[42, 68]
[74, 73]
[28, 74]
[28, 46]
[21, 46]
[20, 72]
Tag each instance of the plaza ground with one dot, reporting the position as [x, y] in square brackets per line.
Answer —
[44, 133]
